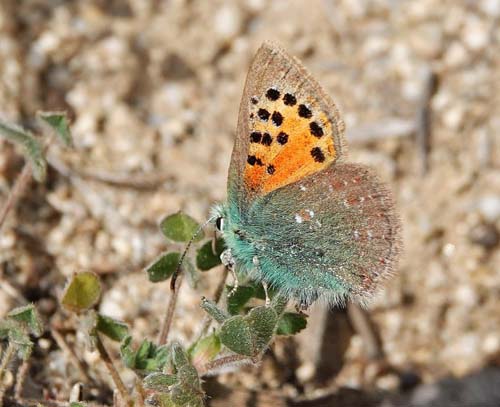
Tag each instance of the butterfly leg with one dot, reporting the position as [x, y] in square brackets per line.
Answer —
[268, 301]
[256, 264]
[227, 260]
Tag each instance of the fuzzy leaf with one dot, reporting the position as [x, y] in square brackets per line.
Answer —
[113, 329]
[76, 404]
[291, 323]
[147, 358]
[163, 267]
[159, 381]
[237, 300]
[127, 353]
[213, 310]
[22, 342]
[58, 121]
[82, 292]
[29, 316]
[262, 321]
[181, 228]
[237, 336]
[206, 259]
[205, 350]
[32, 147]
[5, 326]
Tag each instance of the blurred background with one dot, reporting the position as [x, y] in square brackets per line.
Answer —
[153, 87]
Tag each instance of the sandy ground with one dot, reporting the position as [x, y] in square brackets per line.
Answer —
[153, 87]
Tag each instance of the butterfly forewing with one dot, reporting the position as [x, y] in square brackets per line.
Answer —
[288, 128]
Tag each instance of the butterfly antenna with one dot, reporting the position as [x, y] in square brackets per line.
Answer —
[181, 260]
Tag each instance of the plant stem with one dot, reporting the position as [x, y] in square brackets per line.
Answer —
[15, 193]
[217, 295]
[120, 386]
[169, 312]
[6, 358]
[20, 377]
[140, 393]
[224, 361]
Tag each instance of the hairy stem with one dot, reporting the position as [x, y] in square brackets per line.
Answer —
[169, 312]
[224, 361]
[6, 358]
[120, 386]
[15, 193]
[20, 377]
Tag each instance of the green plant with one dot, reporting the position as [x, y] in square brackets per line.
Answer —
[169, 373]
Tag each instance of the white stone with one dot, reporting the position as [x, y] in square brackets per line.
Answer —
[489, 207]
[228, 21]
[490, 7]
[475, 34]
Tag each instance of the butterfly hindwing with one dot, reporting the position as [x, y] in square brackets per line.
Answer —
[338, 235]
[288, 128]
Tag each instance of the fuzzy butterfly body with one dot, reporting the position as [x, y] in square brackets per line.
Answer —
[297, 217]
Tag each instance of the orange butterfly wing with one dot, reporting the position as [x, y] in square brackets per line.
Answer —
[288, 127]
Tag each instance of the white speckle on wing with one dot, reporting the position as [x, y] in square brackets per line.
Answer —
[361, 199]
[311, 213]
[330, 188]
[356, 235]
[298, 218]
[303, 188]
[346, 204]
[318, 223]
[370, 235]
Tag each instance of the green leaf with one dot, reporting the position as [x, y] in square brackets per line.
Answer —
[5, 326]
[147, 358]
[32, 147]
[163, 267]
[291, 323]
[205, 350]
[213, 310]
[58, 121]
[75, 404]
[237, 300]
[160, 381]
[82, 292]
[262, 321]
[181, 228]
[206, 259]
[22, 342]
[127, 353]
[28, 315]
[237, 336]
[143, 354]
[113, 329]
[192, 274]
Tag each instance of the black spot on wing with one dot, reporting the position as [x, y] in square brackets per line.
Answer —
[277, 118]
[304, 112]
[289, 99]
[255, 136]
[267, 139]
[282, 138]
[316, 129]
[273, 94]
[263, 114]
[317, 154]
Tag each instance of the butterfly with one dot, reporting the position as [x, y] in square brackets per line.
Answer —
[298, 217]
